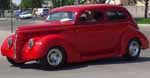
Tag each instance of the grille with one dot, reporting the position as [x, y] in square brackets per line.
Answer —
[15, 46]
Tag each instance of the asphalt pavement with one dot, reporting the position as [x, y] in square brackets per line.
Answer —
[106, 68]
[5, 23]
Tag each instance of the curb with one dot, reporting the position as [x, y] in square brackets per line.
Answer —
[144, 25]
[3, 19]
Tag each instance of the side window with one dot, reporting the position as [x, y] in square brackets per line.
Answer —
[115, 15]
[90, 16]
[112, 15]
[121, 15]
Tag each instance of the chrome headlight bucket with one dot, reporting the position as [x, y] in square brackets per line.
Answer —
[31, 43]
[10, 42]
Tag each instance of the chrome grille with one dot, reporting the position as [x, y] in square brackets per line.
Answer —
[15, 46]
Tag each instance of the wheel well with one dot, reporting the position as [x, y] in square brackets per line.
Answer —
[137, 40]
[127, 55]
[62, 49]
[59, 47]
[127, 43]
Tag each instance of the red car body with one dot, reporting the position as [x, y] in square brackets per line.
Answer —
[81, 41]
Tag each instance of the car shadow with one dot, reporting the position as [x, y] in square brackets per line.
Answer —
[37, 66]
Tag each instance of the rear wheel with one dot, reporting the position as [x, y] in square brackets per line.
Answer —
[11, 61]
[133, 49]
[55, 58]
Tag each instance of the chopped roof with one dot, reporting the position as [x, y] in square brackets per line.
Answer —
[75, 8]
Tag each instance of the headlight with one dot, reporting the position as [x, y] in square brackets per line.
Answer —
[31, 43]
[10, 42]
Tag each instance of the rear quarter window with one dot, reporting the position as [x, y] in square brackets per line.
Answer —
[116, 15]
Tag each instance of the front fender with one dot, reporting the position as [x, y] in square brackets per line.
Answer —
[43, 44]
[51, 41]
[126, 37]
[5, 50]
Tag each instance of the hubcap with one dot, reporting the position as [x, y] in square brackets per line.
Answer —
[134, 48]
[54, 57]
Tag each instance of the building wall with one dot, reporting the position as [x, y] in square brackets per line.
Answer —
[135, 7]
[126, 2]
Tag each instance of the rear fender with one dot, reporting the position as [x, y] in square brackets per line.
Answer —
[133, 35]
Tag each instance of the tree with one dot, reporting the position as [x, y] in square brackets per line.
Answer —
[4, 4]
[26, 4]
[56, 3]
[31, 4]
[59, 3]
[68, 2]
[36, 3]
[146, 8]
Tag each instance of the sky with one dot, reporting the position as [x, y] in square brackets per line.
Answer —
[16, 1]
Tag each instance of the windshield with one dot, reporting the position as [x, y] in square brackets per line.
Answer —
[26, 12]
[61, 16]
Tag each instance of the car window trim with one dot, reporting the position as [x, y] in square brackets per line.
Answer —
[97, 22]
[116, 20]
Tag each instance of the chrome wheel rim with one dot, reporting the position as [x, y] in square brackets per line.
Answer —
[134, 48]
[54, 57]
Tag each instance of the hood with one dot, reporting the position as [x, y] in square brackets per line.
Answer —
[44, 26]
[24, 33]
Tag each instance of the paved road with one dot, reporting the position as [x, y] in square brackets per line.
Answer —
[108, 68]
[97, 69]
[6, 23]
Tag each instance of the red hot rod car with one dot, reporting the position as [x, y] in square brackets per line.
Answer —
[76, 34]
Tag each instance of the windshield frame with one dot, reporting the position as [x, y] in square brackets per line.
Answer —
[73, 13]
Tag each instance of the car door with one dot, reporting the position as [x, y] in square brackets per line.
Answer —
[117, 22]
[93, 34]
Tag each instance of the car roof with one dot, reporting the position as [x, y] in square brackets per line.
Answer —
[77, 8]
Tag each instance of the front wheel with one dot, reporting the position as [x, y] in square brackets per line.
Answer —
[11, 61]
[55, 58]
[133, 49]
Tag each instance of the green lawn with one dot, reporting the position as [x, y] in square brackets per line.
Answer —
[142, 20]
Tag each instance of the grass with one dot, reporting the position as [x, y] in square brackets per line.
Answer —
[142, 20]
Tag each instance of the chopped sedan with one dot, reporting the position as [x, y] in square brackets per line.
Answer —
[74, 34]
